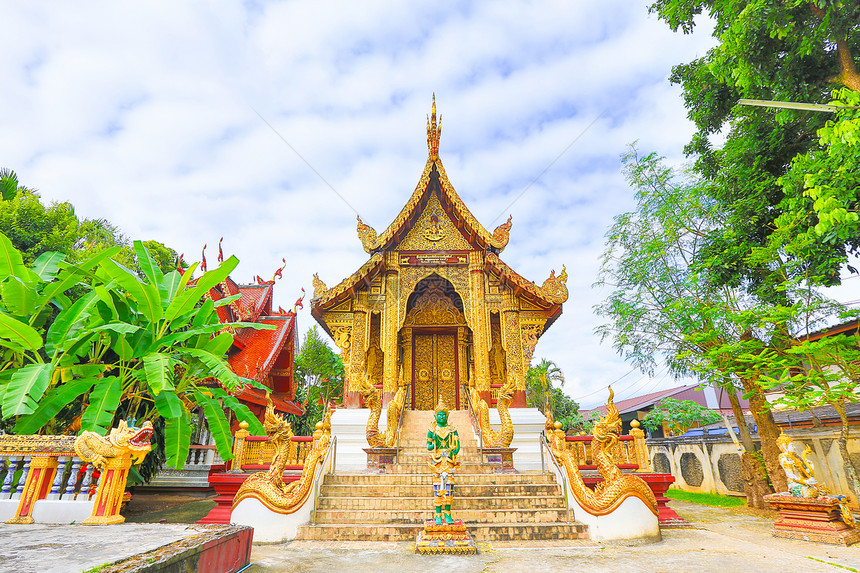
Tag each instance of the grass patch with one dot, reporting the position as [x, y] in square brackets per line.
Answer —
[712, 499]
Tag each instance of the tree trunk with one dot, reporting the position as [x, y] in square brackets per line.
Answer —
[755, 480]
[753, 471]
[842, 442]
[744, 430]
[768, 432]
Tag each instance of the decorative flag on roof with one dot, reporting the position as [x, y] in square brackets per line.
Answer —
[203, 256]
[220, 252]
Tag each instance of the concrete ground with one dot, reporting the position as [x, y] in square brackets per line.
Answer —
[721, 540]
[40, 548]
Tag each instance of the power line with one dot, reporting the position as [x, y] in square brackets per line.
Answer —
[545, 169]
[342, 198]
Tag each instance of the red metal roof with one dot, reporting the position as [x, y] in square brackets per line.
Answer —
[687, 392]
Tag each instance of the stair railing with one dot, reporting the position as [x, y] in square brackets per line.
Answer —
[546, 451]
[324, 469]
[475, 425]
[399, 427]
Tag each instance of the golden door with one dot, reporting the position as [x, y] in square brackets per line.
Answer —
[435, 370]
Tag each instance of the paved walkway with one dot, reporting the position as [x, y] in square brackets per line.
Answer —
[721, 541]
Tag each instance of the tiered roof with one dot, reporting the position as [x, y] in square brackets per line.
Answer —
[255, 352]
[434, 178]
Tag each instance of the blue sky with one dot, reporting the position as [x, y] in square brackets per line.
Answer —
[145, 113]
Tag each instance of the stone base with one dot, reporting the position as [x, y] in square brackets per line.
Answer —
[445, 539]
[815, 519]
[380, 459]
[503, 458]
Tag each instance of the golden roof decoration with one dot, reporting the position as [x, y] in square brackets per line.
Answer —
[555, 288]
[452, 202]
[434, 132]
[501, 234]
[330, 294]
[366, 234]
[319, 287]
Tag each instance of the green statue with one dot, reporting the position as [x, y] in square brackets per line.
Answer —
[444, 443]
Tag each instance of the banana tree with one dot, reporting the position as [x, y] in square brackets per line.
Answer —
[152, 343]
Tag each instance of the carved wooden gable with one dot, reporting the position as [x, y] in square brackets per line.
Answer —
[434, 231]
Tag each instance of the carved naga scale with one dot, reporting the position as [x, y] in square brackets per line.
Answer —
[492, 438]
[374, 403]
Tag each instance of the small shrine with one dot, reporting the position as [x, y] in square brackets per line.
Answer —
[808, 510]
[435, 309]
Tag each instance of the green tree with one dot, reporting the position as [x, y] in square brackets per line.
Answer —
[666, 300]
[823, 371]
[539, 383]
[823, 185]
[142, 345]
[679, 416]
[767, 49]
[319, 373]
[35, 229]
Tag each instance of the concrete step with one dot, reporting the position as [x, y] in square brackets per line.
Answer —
[408, 532]
[427, 479]
[528, 515]
[423, 468]
[508, 503]
[420, 490]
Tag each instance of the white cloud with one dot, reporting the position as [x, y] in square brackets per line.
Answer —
[143, 113]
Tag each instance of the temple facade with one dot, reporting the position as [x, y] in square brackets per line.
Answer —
[435, 308]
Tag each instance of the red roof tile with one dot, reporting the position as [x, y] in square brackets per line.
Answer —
[261, 347]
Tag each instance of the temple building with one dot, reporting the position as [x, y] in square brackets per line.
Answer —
[434, 307]
[264, 355]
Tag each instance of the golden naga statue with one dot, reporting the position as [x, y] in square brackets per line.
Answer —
[123, 440]
[491, 438]
[800, 473]
[373, 401]
[269, 487]
[616, 486]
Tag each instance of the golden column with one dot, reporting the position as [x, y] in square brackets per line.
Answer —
[480, 324]
[514, 363]
[389, 327]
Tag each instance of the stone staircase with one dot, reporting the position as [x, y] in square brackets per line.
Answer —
[393, 506]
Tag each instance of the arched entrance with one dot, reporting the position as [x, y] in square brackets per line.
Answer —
[436, 334]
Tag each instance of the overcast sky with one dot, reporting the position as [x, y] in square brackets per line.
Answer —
[148, 114]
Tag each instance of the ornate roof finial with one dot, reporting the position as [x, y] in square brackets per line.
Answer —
[434, 131]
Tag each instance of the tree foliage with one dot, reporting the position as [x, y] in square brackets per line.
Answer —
[774, 50]
[144, 345]
[34, 229]
[319, 373]
[539, 383]
[786, 181]
[668, 297]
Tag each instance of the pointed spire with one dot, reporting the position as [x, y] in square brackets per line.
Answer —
[434, 131]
